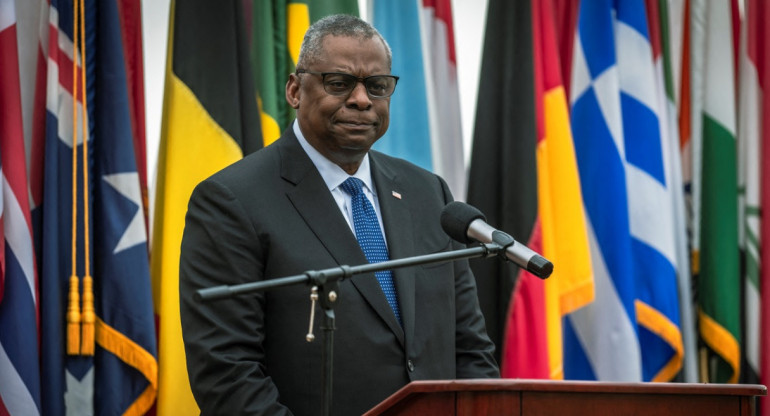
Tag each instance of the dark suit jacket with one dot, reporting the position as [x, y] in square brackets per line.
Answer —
[271, 215]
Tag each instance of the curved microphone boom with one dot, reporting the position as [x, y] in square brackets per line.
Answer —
[467, 224]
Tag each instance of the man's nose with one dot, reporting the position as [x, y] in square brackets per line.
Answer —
[359, 96]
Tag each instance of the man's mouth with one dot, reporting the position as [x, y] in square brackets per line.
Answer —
[357, 125]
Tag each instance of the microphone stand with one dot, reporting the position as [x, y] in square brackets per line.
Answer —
[326, 281]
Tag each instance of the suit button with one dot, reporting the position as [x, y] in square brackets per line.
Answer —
[410, 365]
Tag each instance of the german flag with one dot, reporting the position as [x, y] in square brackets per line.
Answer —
[524, 177]
[210, 119]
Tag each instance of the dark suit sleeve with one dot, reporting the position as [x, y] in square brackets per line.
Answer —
[473, 348]
[223, 338]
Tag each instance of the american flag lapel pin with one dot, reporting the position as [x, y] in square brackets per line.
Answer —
[396, 194]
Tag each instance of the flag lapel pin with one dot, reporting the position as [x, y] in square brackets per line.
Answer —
[396, 194]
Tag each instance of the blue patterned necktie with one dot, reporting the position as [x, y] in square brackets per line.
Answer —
[370, 238]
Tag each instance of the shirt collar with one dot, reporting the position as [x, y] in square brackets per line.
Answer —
[331, 173]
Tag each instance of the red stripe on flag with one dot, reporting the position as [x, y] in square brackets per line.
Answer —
[2, 256]
[131, 33]
[11, 127]
[65, 73]
[547, 76]
[443, 10]
[565, 14]
[762, 48]
[37, 148]
[684, 93]
[735, 14]
[3, 410]
[525, 352]
[653, 26]
[63, 61]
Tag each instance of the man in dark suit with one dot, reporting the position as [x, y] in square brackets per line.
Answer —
[285, 210]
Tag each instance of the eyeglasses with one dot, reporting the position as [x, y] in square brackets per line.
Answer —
[340, 83]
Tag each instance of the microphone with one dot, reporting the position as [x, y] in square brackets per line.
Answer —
[467, 224]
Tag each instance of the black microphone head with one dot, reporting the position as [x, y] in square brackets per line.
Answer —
[456, 218]
[540, 266]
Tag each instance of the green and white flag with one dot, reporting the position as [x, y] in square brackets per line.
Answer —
[277, 30]
[719, 280]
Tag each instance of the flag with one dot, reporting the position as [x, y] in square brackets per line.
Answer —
[543, 209]
[763, 75]
[689, 83]
[276, 29]
[631, 331]
[131, 12]
[565, 18]
[560, 226]
[19, 295]
[438, 46]
[719, 281]
[749, 157]
[657, 17]
[32, 32]
[210, 120]
[754, 232]
[408, 135]
[505, 138]
[425, 126]
[269, 58]
[126, 365]
[68, 387]
[121, 376]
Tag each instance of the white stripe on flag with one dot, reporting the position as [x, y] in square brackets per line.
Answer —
[695, 152]
[59, 102]
[443, 103]
[581, 79]
[27, 34]
[16, 397]
[650, 217]
[7, 14]
[606, 87]
[18, 237]
[605, 331]
[718, 101]
[634, 69]
[752, 306]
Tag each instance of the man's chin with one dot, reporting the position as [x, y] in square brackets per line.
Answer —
[355, 150]
[356, 132]
[356, 142]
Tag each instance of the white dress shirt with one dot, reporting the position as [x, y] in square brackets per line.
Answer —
[334, 176]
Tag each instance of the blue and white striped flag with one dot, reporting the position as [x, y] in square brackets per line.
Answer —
[631, 331]
[19, 316]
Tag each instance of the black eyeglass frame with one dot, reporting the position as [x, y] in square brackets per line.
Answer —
[362, 80]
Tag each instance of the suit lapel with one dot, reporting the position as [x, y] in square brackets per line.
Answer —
[315, 204]
[397, 218]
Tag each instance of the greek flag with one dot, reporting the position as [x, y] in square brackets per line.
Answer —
[631, 331]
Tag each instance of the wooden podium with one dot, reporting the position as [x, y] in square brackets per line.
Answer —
[543, 397]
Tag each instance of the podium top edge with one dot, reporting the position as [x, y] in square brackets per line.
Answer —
[586, 386]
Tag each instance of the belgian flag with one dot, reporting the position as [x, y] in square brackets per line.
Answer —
[210, 120]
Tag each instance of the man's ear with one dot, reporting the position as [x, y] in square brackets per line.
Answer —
[293, 91]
